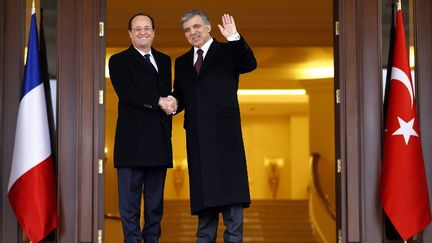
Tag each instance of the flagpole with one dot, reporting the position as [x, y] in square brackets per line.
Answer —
[33, 11]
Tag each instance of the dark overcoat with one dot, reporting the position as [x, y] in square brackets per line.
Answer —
[215, 151]
[143, 133]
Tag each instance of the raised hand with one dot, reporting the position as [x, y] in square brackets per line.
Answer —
[228, 27]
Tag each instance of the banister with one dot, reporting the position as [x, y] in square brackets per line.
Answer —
[317, 185]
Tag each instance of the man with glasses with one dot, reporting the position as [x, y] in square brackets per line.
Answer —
[141, 77]
[205, 85]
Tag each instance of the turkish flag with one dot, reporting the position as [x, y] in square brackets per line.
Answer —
[404, 191]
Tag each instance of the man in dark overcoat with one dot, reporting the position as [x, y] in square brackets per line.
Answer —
[205, 86]
[141, 77]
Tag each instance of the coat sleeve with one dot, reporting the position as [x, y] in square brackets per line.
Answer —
[243, 55]
[177, 91]
[126, 91]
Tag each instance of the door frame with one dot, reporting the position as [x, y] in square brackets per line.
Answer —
[80, 137]
[81, 76]
[80, 116]
[359, 118]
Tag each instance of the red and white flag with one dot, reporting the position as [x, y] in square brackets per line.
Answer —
[404, 191]
[32, 186]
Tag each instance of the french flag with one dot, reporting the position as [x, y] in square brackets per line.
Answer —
[32, 185]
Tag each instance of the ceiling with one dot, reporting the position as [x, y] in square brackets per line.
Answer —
[276, 23]
[292, 40]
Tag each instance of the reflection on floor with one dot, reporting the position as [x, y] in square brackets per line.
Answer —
[270, 221]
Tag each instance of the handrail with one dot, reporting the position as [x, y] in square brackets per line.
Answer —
[317, 185]
[115, 216]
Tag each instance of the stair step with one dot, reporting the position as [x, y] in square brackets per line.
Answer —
[269, 221]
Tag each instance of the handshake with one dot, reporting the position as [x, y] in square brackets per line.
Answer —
[168, 104]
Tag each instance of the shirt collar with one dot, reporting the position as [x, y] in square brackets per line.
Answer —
[143, 53]
[205, 47]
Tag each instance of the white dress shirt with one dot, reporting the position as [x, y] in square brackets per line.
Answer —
[206, 46]
[152, 60]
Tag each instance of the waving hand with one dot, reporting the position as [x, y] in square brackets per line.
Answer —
[228, 27]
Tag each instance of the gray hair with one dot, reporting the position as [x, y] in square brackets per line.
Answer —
[194, 12]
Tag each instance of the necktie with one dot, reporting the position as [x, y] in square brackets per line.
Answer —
[147, 57]
[199, 61]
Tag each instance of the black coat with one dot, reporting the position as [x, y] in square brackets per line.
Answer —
[215, 151]
[143, 133]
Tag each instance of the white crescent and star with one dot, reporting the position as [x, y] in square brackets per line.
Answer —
[399, 75]
[406, 129]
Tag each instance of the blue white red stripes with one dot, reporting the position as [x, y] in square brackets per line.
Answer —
[32, 144]
[32, 186]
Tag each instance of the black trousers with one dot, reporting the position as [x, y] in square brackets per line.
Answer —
[133, 184]
[208, 220]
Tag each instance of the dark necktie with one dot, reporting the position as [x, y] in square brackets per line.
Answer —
[147, 57]
[199, 61]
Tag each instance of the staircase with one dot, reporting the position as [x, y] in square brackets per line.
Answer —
[270, 221]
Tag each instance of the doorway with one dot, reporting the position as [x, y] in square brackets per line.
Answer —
[293, 83]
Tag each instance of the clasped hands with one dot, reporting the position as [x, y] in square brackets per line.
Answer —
[168, 104]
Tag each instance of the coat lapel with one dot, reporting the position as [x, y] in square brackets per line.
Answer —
[156, 56]
[190, 65]
[140, 59]
[211, 53]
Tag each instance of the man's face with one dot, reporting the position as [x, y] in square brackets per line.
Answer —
[196, 32]
[142, 33]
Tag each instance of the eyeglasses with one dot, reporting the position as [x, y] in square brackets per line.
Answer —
[139, 29]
